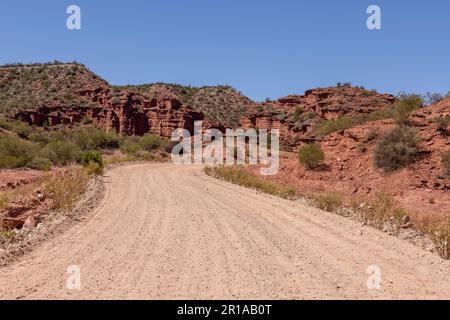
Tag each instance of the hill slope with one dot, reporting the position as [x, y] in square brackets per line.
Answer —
[26, 87]
[222, 104]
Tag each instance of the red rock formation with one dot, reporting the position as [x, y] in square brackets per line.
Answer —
[349, 168]
[315, 105]
[132, 113]
[124, 111]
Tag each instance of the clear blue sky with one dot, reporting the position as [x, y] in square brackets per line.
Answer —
[263, 48]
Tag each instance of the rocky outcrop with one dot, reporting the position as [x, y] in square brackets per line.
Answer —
[67, 94]
[421, 187]
[124, 111]
[296, 115]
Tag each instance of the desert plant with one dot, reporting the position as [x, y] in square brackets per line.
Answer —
[441, 239]
[442, 124]
[130, 145]
[329, 126]
[433, 98]
[328, 201]
[289, 192]
[438, 228]
[238, 175]
[150, 142]
[64, 188]
[91, 156]
[39, 163]
[405, 105]
[306, 117]
[15, 152]
[311, 155]
[93, 168]
[371, 135]
[298, 113]
[91, 138]
[4, 200]
[446, 162]
[380, 210]
[8, 235]
[20, 128]
[61, 152]
[397, 149]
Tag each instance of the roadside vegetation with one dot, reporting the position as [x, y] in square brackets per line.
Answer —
[381, 211]
[39, 148]
[69, 159]
[238, 175]
[327, 201]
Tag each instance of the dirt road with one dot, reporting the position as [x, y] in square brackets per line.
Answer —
[164, 231]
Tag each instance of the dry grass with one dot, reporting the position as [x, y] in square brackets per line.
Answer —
[4, 200]
[381, 212]
[378, 211]
[239, 176]
[438, 228]
[65, 188]
[7, 235]
[328, 201]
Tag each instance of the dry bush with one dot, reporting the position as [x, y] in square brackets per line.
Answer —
[328, 201]
[376, 212]
[311, 155]
[329, 126]
[439, 230]
[4, 200]
[65, 187]
[446, 162]
[397, 149]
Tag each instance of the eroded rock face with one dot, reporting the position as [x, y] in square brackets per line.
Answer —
[296, 115]
[124, 111]
[331, 103]
[161, 111]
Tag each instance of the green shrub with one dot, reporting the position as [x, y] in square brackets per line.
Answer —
[298, 113]
[40, 137]
[306, 116]
[130, 145]
[88, 157]
[61, 152]
[15, 152]
[4, 200]
[446, 162]
[329, 126]
[91, 138]
[169, 145]
[289, 193]
[442, 124]
[150, 142]
[22, 129]
[311, 155]
[39, 163]
[329, 201]
[93, 168]
[397, 149]
[405, 105]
